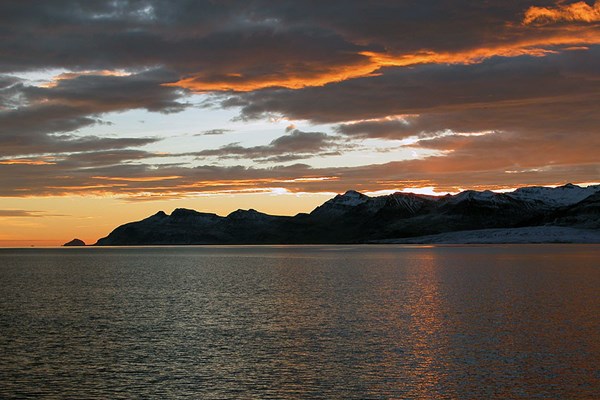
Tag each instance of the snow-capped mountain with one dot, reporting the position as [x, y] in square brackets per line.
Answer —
[354, 217]
[341, 204]
[412, 203]
[561, 196]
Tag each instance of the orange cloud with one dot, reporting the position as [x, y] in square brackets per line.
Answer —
[535, 47]
[375, 61]
[466, 57]
[310, 179]
[524, 44]
[238, 82]
[65, 76]
[136, 188]
[576, 12]
[137, 179]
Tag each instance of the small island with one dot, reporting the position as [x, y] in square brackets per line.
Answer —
[74, 242]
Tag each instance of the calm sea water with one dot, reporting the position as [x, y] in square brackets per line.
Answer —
[301, 322]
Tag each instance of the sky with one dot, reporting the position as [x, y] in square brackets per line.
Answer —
[113, 110]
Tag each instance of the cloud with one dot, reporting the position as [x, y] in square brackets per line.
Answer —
[492, 159]
[260, 57]
[574, 12]
[99, 93]
[432, 88]
[546, 119]
[294, 146]
[14, 143]
[483, 34]
[19, 213]
[212, 132]
[390, 127]
[9, 93]
[7, 80]
[104, 158]
[245, 46]
[462, 168]
[242, 48]
[25, 213]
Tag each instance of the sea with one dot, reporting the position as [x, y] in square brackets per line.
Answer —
[301, 322]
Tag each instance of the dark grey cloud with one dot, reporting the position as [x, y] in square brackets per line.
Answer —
[213, 132]
[129, 34]
[429, 88]
[7, 81]
[105, 158]
[244, 45]
[15, 143]
[386, 128]
[99, 93]
[40, 130]
[545, 119]
[407, 25]
[294, 146]
[227, 42]
[10, 95]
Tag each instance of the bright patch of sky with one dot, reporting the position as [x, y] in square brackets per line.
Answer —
[371, 151]
[184, 132]
[39, 77]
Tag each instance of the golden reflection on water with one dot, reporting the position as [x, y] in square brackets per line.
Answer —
[439, 325]
[424, 323]
[391, 326]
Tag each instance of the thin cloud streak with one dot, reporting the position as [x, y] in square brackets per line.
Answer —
[26, 214]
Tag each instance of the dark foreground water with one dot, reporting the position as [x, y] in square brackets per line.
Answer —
[332, 322]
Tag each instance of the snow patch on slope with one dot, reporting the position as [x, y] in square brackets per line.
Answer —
[351, 199]
[555, 197]
[486, 196]
[534, 234]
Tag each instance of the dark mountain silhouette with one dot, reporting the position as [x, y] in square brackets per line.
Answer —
[356, 218]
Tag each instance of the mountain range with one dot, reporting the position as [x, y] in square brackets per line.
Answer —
[353, 217]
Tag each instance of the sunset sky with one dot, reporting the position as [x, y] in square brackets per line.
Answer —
[111, 111]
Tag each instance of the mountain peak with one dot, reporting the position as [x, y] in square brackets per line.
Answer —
[486, 195]
[250, 213]
[183, 212]
[559, 196]
[353, 193]
[570, 186]
[350, 198]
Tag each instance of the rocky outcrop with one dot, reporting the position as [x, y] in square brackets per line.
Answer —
[75, 242]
